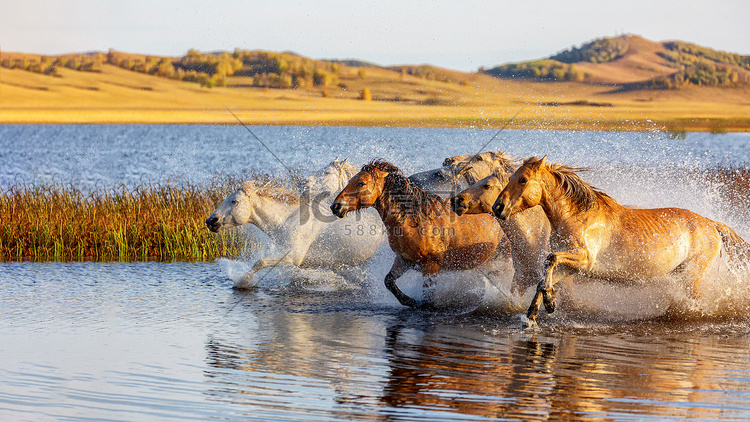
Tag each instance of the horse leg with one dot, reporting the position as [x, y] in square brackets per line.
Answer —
[572, 261]
[275, 261]
[533, 310]
[286, 259]
[699, 265]
[429, 269]
[397, 270]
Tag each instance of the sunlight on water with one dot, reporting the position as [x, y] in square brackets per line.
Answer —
[175, 341]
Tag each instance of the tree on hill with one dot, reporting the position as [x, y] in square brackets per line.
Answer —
[547, 69]
[694, 65]
[699, 66]
[603, 50]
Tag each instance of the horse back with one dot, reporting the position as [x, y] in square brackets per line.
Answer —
[649, 242]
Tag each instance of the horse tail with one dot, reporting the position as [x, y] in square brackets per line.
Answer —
[737, 248]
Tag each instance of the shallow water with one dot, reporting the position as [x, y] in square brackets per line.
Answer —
[174, 341]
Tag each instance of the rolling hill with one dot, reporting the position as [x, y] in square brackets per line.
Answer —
[636, 63]
[623, 83]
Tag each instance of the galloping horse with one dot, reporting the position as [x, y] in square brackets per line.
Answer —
[422, 230]
[459, 172]
[307, 237]
[595, 235]
[528, 231]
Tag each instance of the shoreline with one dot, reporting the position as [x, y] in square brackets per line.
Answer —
[191, 117]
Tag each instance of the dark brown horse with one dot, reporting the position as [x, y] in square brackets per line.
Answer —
[422, 229]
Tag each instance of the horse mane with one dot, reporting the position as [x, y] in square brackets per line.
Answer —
[345, 167]
[402, 198]
[271, 189]
[463, 165]
[583, 195]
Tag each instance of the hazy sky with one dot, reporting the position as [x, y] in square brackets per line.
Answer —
[461, 35]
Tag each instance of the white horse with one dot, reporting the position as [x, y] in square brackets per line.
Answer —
[301, 225]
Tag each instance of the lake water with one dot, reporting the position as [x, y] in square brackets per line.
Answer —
[174, 341]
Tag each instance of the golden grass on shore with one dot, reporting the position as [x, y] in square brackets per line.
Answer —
[153, 222]
[116, 95]
[166, 223]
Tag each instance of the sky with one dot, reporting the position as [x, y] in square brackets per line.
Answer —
[460, 35]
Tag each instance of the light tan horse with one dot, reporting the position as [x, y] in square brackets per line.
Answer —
[461, 171]
[422, 230]
[528, 231]
[594, 235]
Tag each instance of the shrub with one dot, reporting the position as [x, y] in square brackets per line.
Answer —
[365, 94]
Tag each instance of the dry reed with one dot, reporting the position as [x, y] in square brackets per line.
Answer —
[152, 222]
[166, 222]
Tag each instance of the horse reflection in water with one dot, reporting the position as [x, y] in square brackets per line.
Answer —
[376, 368]
[594, 235]
[307, 236]
[422, 230]
[449, 367]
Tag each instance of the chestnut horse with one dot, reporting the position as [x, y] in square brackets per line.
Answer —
[422, 230]
[528, 232]
[593, 234]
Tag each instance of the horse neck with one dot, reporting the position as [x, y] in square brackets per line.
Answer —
[391, 214]
[556, 204]
[270, 214]
[386, 212]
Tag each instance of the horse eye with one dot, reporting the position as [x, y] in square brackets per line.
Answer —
[486, 187]
[439, 174]
[523, 181]
[360, 184]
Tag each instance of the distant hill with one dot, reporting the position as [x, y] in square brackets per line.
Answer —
[629, 62]
[633, 62]
[610, 83]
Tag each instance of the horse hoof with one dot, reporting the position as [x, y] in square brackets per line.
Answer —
[550, 306]
[246, 282]
[528, 323]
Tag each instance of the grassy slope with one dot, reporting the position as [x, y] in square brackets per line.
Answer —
[120, 96]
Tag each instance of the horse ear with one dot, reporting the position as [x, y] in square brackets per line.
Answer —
[346, 160]
[543, 161]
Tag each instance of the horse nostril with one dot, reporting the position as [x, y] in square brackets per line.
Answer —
[497, 209]
[213, 223]
[335, 208]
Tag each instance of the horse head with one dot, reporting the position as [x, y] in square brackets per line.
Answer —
[235, 210]
[460, 171]
[332, 178]
[364, 188]
[480, 197]
[242, 205]
[524, 189]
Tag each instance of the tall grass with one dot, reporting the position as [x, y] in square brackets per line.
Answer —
[166, 222]
[152, 222]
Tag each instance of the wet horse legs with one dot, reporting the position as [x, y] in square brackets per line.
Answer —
[546, 292]
[397, 270]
